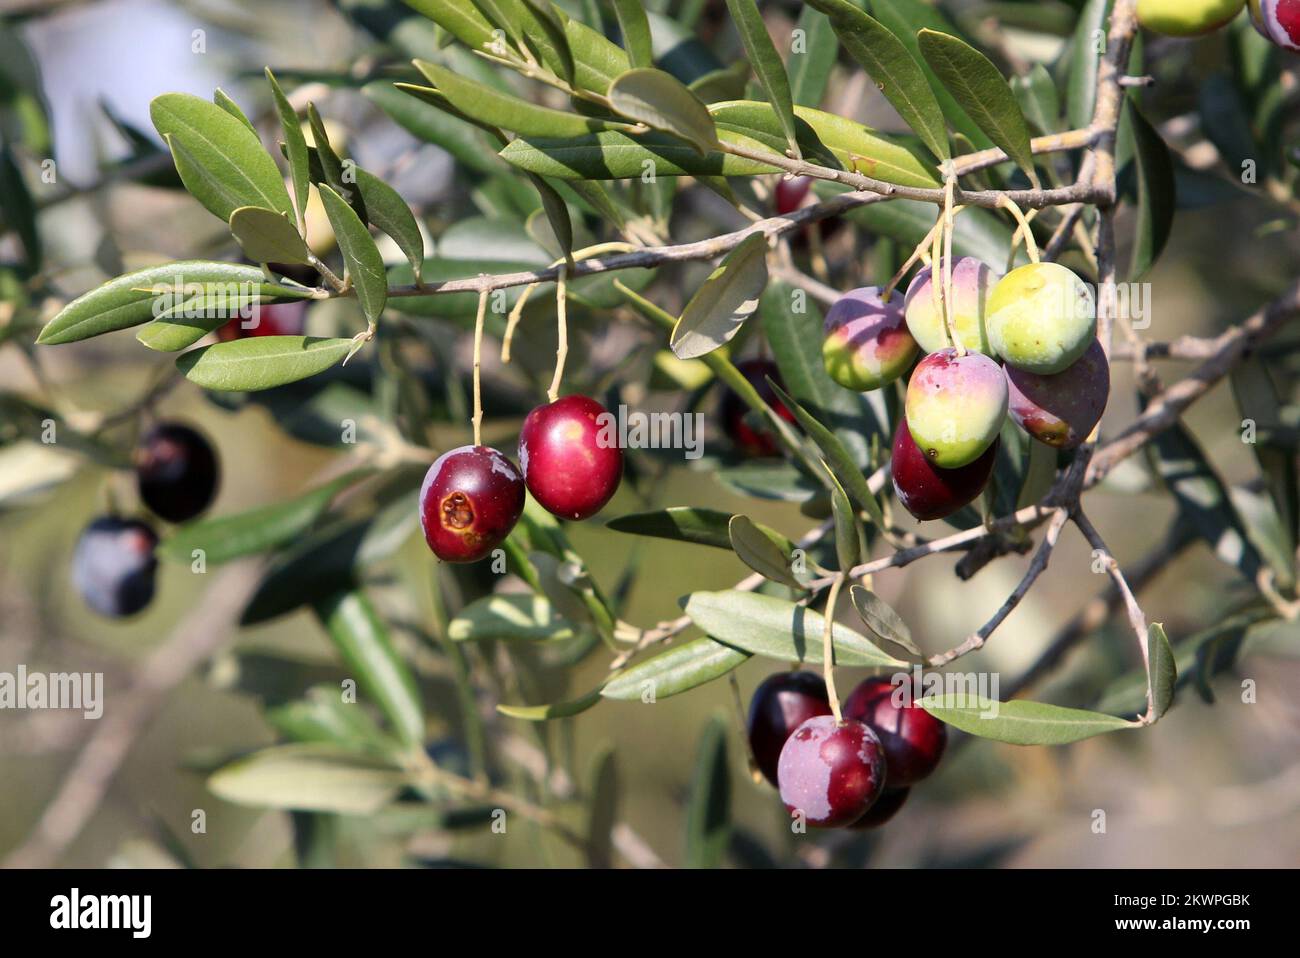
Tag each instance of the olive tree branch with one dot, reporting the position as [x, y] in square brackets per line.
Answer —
[1136, 617]
[975, 641]
[1100, 607]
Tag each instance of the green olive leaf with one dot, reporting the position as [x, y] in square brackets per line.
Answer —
[662, 102]
[262, 362]
[779, 629]
[144, 295]
[615, 156]
[544, 713]
[635, 28]
[1021, 722]
[676, 670]
[767, 65]
[488, 105]
[1164, 671]
[223, 100]
[728, 297]
[982, 91]
[295, 146]
[362, 640]
[762, 553]
[310, 777]
[224, 538]
[881, 619]
[268, 237]
[365, 264]
[220, 160]
[895, 71]
[521, 617]
[827, 139]
[708, 809]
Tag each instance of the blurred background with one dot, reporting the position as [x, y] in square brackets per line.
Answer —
[1213, 785]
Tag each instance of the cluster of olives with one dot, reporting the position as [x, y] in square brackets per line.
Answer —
[1039, 320]
[113, 565]
[472, 496]
[856, 773]
[1277, 20]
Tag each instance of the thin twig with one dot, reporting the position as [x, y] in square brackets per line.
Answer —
[976, 640]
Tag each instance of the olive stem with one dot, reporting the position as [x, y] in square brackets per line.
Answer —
[828, 646]
[936, 287]
[950, 183]
[752, 762]
[516, 313]
[562, 331]
[478, 359]
[917, 253]
[1031, 245]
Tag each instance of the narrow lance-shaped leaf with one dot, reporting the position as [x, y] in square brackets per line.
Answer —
[905, 19]
[18, 212]
[795, 337]
[460, 18]
[141, 296]
[676, 670]
[602, 816]
[223, 100]
[312, 777]
[837, 458]
[337, 176]
[226, 166]
[257, 530]
[1202, 498]
[983, 93]
[1039, 99]
[1198, 657]
[761, 553]
[811, 62]
[616, 156]
[767, 65]
[547, 38]
[1259, 402]
[488, 105]
[1156, 193]
[385, 209]
[544, 713]
[1086, 50]
[827, 139]
[1163, 670]
[557, 213]
[432, 124]
[778, 629]
[188, 321]
[707, 527]
[596, 59]
[365, 264]
[725, 84]
[896, 73]
[848, 547]
[522, 617]
[881, 619]
[1020, 722]
[248, 365]
[708, 811]
[295, 145]
[363, 642]
[634, 26]
[661, 102]
[267, 236]
[323, 716]
[728, 297]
